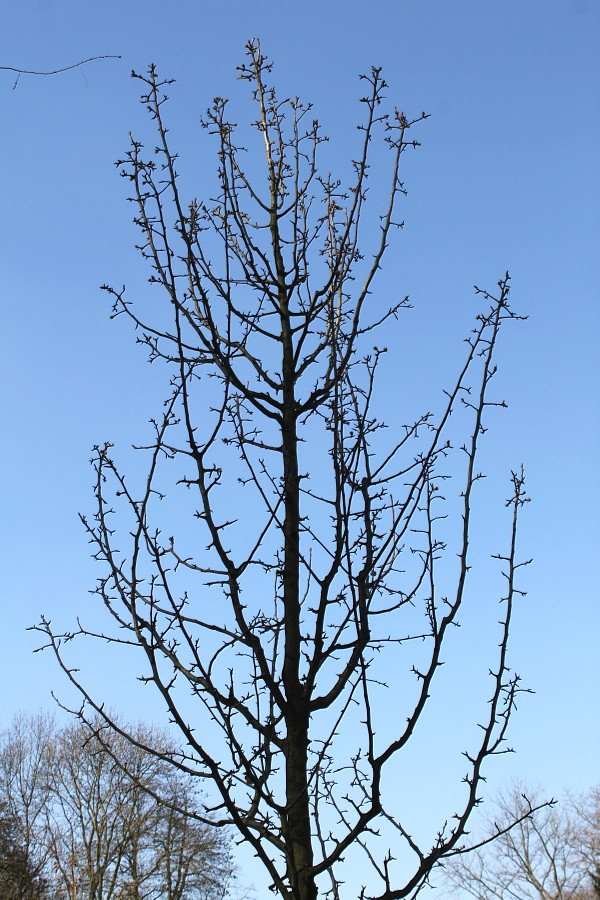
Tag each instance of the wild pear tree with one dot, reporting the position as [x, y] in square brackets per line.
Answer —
[311, 552]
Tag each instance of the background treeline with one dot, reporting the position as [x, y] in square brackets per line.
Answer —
[76, 825]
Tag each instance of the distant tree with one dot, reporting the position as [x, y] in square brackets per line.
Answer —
[19, 877]
[586, 813]
[548, 855]
[310, 564]
[107, 820]
[27, 750]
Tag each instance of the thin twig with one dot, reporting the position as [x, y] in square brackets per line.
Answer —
[54, 71]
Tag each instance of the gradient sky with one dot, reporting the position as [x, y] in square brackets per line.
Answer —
[507, 178]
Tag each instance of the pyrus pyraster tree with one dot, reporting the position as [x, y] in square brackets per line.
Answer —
[314, 534]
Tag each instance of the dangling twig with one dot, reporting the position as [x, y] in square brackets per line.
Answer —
[54, 71]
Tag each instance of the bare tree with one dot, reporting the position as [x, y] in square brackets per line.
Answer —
[585, 812]
[27, 750]
[548, 855]
[320, 533]
[104, 830]
[19, 876]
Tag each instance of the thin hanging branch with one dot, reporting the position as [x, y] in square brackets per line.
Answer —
[54, 71]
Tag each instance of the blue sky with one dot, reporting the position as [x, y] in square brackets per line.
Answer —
[507, 178]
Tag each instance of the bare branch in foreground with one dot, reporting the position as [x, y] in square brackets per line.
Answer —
[53, 71]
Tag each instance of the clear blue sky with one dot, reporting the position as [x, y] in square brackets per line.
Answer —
[507, 178]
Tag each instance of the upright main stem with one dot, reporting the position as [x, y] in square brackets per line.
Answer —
[296, 822]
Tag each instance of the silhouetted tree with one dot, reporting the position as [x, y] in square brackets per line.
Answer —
[310, 561]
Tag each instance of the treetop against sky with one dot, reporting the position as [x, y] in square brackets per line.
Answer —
[505, 178]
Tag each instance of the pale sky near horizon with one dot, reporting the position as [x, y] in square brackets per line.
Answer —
[507, 178]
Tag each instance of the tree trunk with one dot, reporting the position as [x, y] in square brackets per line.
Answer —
[297, 820]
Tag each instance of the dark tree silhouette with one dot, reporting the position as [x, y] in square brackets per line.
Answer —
[19, 876]
[311, 557]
